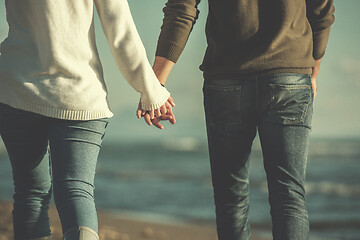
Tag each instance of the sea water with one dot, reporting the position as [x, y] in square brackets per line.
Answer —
[170, 181]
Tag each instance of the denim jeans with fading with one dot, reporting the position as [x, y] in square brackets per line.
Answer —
[69, 173]
[279, 107]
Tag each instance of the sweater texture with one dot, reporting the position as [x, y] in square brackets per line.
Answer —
[49, 63]
[251, 36]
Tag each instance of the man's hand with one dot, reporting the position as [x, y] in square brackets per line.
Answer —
[156, 121]
[162, 68]
[315, 73]
[152, 113]
[163, 113]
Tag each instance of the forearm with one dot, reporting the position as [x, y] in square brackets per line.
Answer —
[124, 41]
[179, 19]
[129, 52]
[320, 14]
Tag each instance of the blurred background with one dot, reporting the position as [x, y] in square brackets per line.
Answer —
[163, 175]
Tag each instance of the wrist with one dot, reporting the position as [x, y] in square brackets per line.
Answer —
[162, 68]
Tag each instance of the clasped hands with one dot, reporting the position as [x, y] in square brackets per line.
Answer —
[163, 113]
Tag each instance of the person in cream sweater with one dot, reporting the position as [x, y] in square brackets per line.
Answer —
[53, 95]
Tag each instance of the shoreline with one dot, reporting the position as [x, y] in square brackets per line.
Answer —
[123, 227]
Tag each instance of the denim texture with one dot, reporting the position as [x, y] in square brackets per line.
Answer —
[279, 107]
[68, 172]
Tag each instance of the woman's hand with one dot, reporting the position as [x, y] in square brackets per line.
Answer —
[153, 117]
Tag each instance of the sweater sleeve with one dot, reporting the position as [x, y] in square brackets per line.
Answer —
[179, 19]
[320, 14]
[129, 52]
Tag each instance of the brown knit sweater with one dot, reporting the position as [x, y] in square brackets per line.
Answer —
[251, 36]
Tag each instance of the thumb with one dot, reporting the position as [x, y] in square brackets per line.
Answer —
[313, 85]
[171, 101]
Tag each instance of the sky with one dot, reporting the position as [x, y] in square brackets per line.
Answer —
[336, 112]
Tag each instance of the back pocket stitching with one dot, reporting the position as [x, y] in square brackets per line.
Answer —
[291, 87]
[218, 88]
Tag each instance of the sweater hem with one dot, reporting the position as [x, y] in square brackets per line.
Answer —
[66, 114]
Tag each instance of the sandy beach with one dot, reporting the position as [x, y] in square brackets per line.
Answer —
[113, 227]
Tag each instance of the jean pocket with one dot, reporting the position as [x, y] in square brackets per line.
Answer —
[289, 103]
[223, 106]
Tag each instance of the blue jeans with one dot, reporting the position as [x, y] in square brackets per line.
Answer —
[74, 148]
[279, 107]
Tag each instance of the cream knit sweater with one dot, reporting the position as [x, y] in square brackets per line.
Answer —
[49, 62]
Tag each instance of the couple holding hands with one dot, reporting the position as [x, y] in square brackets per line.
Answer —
[260, 71]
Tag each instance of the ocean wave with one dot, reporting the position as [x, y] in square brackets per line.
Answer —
[325, 188]
[332, 188]
[336, 148]
[311, 187]
[185, 144]
[2, 148]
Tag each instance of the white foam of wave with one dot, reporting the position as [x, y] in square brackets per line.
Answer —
[147, 216]
[327, 188]
[186, 144]
[338, 148]
[2, 147]
[331, 188]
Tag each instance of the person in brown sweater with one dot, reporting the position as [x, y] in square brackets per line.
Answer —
[260, 71]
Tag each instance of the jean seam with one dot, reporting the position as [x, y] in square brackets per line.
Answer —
[294, 216]
[222, 87]
[289, 74]
[290, 86]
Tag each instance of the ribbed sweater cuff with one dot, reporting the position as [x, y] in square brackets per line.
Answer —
[161, 101]
[168, 51]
